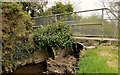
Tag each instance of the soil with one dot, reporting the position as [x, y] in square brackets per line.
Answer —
[112, 63]
[105, 54]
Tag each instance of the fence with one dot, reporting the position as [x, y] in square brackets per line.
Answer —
[85, 23]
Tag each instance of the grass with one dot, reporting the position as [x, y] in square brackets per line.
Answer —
[101, 60]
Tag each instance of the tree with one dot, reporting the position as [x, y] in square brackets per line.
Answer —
[36, 8]
[112, 5]
[61, 8]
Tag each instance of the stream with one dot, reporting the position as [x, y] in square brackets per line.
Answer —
[63, 65]
[30, 69]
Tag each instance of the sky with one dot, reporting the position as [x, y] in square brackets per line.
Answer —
[78, 4]
[82, 5]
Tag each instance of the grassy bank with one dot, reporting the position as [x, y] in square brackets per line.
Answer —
[104, 59]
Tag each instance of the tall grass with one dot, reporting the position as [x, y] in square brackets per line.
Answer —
[93, 63]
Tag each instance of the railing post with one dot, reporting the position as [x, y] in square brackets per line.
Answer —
[119, 36]
[114, 35]
[119, 21]
[102, 23]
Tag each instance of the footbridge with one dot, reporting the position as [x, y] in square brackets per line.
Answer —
[96, 24]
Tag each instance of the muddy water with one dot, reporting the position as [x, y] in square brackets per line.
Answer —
[31, 69]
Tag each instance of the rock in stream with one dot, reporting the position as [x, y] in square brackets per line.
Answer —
[62, 65]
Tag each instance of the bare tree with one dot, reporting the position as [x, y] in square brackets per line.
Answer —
[111, 4]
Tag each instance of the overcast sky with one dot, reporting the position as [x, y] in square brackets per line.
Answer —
[78, 4]
[82, 4]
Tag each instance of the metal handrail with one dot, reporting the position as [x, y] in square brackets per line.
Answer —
[72, 12]
[113, 14]
[102, 9]
[80, 12]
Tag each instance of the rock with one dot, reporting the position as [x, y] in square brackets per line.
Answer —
[77, 47]
[88, 42]
[39, 56]
[61, 65]
[30, 60]
[91, 47]
[59, 53]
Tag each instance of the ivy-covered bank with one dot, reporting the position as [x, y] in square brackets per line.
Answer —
[16, 30]
[19, 41]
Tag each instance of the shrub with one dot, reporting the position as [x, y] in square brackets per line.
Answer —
[56, 35]
[16, 28]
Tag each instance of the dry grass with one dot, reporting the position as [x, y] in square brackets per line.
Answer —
[111, 52]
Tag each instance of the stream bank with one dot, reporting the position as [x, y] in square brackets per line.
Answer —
[39, 62]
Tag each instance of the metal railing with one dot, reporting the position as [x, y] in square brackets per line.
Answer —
[82, 26]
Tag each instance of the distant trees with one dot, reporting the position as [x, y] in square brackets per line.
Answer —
[61, 8]
[111, 4]
[36, 8]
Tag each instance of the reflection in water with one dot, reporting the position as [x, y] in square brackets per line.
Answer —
[31, 69]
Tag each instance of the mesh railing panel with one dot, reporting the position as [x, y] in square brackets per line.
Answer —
[84, 23]
[44, 20]
[86, 30]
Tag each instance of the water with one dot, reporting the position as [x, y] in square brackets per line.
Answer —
[31, 69]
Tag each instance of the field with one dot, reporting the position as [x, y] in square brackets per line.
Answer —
[103, 59]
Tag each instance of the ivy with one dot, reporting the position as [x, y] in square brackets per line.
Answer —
[56, 35]
[16, 29]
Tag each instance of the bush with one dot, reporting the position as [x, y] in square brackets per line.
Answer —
[16, 28]
[56, 35]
